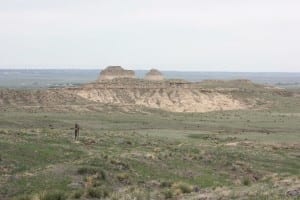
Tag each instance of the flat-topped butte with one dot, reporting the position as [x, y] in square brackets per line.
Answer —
[113, 72]
[117, 72]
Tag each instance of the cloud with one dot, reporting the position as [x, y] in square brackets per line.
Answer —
[215, 34]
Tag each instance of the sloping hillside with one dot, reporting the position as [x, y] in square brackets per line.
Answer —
[51, 97]
[171, 95]
[176, 100]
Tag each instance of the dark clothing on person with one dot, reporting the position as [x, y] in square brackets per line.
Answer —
[76, 131]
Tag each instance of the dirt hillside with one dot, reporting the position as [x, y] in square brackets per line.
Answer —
[169, 95]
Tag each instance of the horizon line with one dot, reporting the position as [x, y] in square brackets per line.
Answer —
[230, 71]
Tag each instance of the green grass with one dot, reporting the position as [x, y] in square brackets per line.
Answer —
[144, 154]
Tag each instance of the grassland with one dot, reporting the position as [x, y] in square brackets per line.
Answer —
[152, 154]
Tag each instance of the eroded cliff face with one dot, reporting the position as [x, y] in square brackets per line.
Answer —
[175, 96]
[168, 95]
[175, 100]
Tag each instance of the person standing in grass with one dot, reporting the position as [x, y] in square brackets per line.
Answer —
[76, 131]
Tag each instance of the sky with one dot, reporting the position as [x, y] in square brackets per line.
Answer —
[182, 35]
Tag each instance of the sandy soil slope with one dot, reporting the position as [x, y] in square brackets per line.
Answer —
[175, 96]
[176, 100]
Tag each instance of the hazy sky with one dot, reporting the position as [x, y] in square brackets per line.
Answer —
[203, 35]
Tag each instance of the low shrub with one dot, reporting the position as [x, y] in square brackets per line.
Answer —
[53, 195]
[122, 176]
[166, 184]
[86, 170]
[182, 187]
[98, 192]
[246, 182]
[168, 194]
[78, 194]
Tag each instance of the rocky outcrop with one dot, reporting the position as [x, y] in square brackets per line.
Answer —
[174, 100]
[113, 72]
[169, 95]
[119, 87]
[154, 75]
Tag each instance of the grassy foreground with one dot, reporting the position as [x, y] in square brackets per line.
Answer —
[151, 155]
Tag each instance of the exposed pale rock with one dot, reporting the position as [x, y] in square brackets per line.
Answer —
[113, 72]
[169, 95]
[154, 75]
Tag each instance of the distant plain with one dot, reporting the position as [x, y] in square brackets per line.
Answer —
[60, 78]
